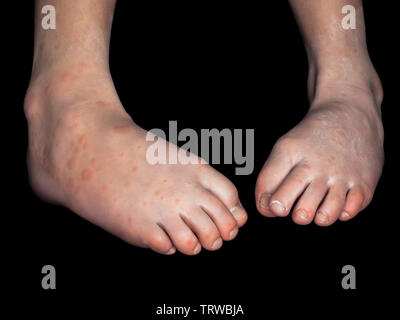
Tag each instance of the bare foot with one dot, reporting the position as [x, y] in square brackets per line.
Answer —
[330, 162]
[86, 153]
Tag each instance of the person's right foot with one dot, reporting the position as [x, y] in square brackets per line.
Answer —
[86, 153]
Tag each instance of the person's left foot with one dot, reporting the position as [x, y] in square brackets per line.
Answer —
[330, 162]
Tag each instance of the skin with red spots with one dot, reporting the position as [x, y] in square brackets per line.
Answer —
[86, 153]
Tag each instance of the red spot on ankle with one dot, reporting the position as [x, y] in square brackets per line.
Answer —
[86, 174]
[134, 168]
[71, 164]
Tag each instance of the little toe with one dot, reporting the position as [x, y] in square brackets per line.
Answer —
[157, 240]
[182, 236]
[354, 201]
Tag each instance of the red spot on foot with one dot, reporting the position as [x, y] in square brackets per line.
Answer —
[134, 168]
[124, 129]
[127, 184]
[86, 174]
[144, 203]
[93, 161]
[157, 192]
[121, 155]
[177, 201]
[71, 164]
[71, 182]
[165, 180]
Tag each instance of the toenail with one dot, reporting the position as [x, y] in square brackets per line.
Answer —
[233, 233]
[217, 244]
[302, 214]
[171, 251]
[264, 200]
[346, 215]
[237, 214]
[197, 249]
[277, 207]
[323, 217]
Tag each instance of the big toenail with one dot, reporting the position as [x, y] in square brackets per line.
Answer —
[323, 217]
[233, 233]
[264, 200]
[302, 214]
[171, 251]
[217, 244]
[277, 207]
[197, 249]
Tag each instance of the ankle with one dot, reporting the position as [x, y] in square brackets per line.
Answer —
[351, 83]
[68, 84]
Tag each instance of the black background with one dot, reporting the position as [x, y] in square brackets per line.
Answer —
[206, 65]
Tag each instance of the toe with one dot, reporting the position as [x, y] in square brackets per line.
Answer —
[332, 206]
[205, 229]
[291, 188]
[271, 176]
[157, 240]
[354, 201]
[182, 236]
[309, 202]
[226, 192]
[220, 215]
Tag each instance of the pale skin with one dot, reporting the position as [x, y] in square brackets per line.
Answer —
[332, 160]
[85, 152]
